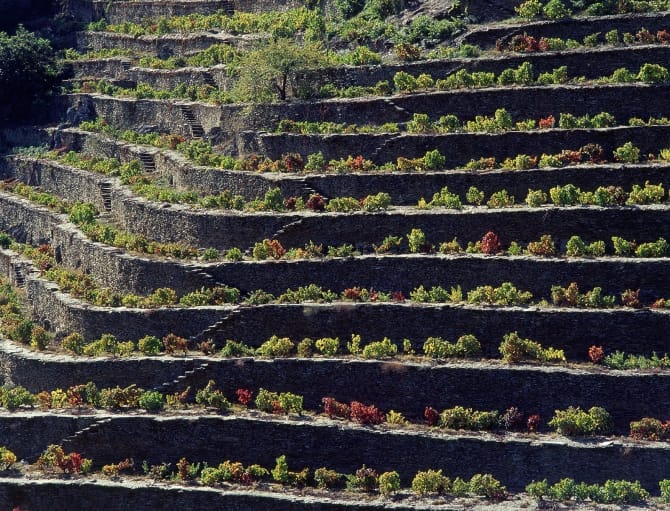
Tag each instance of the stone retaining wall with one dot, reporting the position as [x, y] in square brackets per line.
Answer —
[82, 494]
[406, 188]
[406, 387]
[226, 122]
[458, 148]
[575, 28]
[321, 443]
[588, 62]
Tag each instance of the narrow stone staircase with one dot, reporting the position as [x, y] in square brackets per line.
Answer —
[19, 277]
[187, 379]
[106, 193]
[197, 131]
[148, 162]
[85, 432]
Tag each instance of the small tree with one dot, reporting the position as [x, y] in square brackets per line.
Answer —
[27, 70]
[266, 73]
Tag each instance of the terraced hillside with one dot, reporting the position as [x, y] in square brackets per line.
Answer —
[349, 255]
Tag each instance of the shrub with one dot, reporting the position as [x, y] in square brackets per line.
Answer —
[506, 294]
[150, 345]
[365, 479]
[596, 354]
[555, 9]
[389, 482]
[627, 153]
[536, 198]
[396, 418]
[328, 346]
[650, 429]
[485, 485]
[380, 349]
[574, 421]
[243, 396]
[267, 401]
[74, 343]
[377, 202]
[430, 482]
[512, 419]
[653, 73]
[290, 403]
[276, 347]
[529, 9]
[490, 243]
[650, 194]
[210, 396]
[417, 241]
[445, 198]
[173, 343]
[404, 82]
[283, 475]
[236, 349]
[500, 199]
[326, 478]
[474, 196]
[514, 349]
[567, 195]
[664, 487]
[334, 408]
[434, 160]
[459, 417]
[7, 458]
[366, 414]
[544, 247]
[29, 69]
[152, 400]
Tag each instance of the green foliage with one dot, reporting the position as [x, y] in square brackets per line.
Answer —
[465, 346]
[575, 421]
[430, 482]
[12, 398]
[380, 349]
[39, 338]
[150, 345]
[555, 9]
[236, 349]
[529, 9]
[650, 194]
[506, 294]
[74, 343]
[152, 400]
[459, 417]
[653, 73]
[536, 198]
[627, 153]
[389, 482]
[276, 346]
[664, 487]
[611, 492]
[212, 397]
[417, 241]
[514, 349]
[267, 74]
[29, 71]
[326, 478]
[328, 346]
[281, 473]
[474, 196]
[83, 213]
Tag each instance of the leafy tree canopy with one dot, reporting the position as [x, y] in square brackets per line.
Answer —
[27, 70]
[266, 73]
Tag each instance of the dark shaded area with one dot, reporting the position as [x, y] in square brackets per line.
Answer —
[27, 12]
